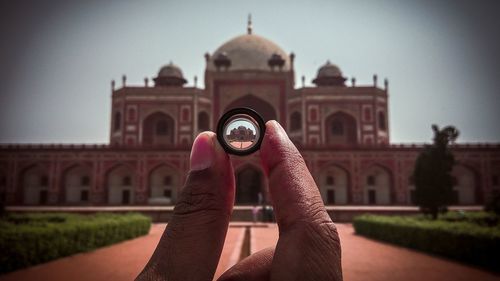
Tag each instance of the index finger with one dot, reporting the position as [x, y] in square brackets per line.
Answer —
[294, 193]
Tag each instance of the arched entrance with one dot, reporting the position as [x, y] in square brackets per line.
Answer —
[464, 185]
[341, 129]
[265, 109]
[121, 186]
[163, 183]
[158, 129]
[248, 186]
[77, 185]
[35, 184]
[334, 185]
[203, 121]
[377, 189]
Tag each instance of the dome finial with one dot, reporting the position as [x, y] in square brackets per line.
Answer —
[249, 24]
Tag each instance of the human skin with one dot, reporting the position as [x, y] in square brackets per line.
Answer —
[308, 247]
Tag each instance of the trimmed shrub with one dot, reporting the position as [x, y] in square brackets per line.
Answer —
[460, 240]
[29, 239]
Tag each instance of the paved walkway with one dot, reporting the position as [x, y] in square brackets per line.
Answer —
[122, 261]
[362, 259]
[366, 259]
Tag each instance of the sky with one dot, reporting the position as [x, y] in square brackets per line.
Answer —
[58, 57]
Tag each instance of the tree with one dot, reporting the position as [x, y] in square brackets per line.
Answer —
[432, 174]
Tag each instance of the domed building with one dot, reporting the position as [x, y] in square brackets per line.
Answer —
[170, 75]
[342, 130]
[329, 75]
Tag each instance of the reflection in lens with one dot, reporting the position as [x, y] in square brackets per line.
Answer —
[241, 132]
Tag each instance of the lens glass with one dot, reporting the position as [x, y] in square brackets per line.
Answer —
[241, 132]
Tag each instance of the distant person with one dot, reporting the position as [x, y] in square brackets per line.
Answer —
[308, 247]
[255, 213]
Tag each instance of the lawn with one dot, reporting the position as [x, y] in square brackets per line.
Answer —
[468, 237]
[29, 239]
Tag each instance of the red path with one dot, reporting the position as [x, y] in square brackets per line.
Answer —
[362, 259]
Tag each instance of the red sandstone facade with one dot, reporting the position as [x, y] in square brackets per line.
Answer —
[342, 132]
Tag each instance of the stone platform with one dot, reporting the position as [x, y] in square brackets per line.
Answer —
[240, 213]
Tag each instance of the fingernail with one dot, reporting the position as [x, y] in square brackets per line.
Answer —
[202, 152]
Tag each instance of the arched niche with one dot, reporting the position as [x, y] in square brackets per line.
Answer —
[77, 183]
[203, 121]
[163, 186]
[376, 182]
[334, 185]
[341, 129]
[158, 129]
[35, 186]
[265, 109]
[249, 186]
[464, 185]
[295, 121]
[121, 182]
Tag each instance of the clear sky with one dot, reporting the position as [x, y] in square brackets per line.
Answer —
[58, 57]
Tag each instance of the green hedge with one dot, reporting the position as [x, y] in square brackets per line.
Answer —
[462, 240]
[29, 239]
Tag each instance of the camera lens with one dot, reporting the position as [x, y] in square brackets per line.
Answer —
[240, 131]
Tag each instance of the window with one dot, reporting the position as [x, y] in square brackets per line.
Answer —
[131, 114]
[167, 180]
[44, 197]
[381, 121]
[372, 196]
[85, 180]
[44, 181]
[313, 114]
[295, 121]
[368, 114]
[117, 121]
[337, 128]
[185, 114]
[84, 195]
[330, 196]
[370, 180]
[167, 193]
[126, 181]
[203, 121]
[126, 197]
[330, 180]
[162, 128]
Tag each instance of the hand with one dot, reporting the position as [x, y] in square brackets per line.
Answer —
[308, 247]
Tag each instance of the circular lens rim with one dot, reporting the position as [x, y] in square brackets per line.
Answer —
[240, 111]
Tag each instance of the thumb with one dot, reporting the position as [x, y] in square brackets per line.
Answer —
[192, 243]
